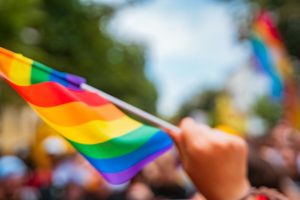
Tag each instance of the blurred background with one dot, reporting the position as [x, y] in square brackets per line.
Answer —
[232, 64]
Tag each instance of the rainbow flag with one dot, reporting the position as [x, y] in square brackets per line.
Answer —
[270, 54]
[272, 59]
[116, 145]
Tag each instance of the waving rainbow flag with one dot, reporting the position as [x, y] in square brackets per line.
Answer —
[272, 59]
[270, 54]
[116, 145]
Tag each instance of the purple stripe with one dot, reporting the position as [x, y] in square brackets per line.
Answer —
[124, 176]
[74, 81]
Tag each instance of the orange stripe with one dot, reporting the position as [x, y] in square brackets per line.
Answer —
[267, 36]
[6, 59]
[76, 113]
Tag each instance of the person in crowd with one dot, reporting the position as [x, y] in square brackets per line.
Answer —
[13, 172]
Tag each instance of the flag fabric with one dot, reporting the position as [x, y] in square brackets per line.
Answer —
[116, 145]
[272, 59]
[270, 54]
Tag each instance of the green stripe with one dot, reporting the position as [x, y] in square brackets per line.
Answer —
[118, 146]
[40, 73]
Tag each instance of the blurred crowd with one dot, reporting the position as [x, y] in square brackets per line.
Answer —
[70, 177]
[274, 161]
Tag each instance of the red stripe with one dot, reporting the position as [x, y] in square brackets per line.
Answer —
[266, 18]
[48, 94]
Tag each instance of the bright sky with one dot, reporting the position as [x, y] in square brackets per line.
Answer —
[191, 45]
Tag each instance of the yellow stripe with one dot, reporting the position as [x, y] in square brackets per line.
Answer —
[96, 131]
[20, 72]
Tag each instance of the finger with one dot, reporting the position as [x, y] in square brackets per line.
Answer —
[190, 126]
[192, 131]
[174, 135]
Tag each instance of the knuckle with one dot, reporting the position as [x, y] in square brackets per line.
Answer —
[240, 145]
[197, 146]
[233, 144]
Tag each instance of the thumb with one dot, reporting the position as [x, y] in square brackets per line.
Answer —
[174, 135]
[177, 134]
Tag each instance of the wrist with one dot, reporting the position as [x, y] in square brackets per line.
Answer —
[263, 193]
[238, 191]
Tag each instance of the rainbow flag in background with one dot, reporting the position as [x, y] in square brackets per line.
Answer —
[270, 54]
[116, 145]
[272, 59]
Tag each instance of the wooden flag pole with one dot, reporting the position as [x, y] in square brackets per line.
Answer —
[132, 109]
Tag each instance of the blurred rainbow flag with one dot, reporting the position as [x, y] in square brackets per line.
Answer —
[116, 145]
[272, 59]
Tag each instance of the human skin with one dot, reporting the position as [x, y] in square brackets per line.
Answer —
[215, 161]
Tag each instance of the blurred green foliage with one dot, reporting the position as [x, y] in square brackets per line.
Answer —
[270, 111]
[71, 36]
[206, 101]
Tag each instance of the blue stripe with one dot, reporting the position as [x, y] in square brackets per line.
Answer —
[159, 141]
[59, 77]
[267, 64]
